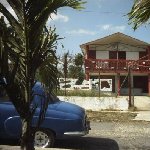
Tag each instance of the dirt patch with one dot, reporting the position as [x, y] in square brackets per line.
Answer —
[101, 116]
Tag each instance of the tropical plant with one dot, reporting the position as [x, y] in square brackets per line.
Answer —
[81, 76]
[79, 63]
[72, 71]
[78, 60]
[15, 77]
[140, 13]
[29, 46]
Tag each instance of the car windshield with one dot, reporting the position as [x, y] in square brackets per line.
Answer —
[4, 97]
[53, 98]
[3, 94]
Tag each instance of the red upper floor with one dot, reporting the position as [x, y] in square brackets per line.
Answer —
[116, 53]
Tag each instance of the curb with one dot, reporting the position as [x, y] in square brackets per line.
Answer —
[8, 147]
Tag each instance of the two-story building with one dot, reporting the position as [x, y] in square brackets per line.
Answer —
[120, 59]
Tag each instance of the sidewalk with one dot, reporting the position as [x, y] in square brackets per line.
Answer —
[7, 147]
[142, 115]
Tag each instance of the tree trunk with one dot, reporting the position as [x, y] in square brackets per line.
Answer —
[27, 139]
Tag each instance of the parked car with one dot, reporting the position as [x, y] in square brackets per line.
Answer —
[61, 119]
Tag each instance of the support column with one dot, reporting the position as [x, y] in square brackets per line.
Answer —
[117, 84]
[149, 73]
[148, 52]
[132, 90]
[129, 86]
[87, 76]
[149, 84]
[87, 51]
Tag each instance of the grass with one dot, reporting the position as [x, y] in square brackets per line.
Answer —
[84, 93]
[108, 116]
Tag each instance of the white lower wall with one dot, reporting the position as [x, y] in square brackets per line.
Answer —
[96, 104]
[142, 102]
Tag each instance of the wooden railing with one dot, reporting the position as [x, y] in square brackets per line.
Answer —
[113, 65]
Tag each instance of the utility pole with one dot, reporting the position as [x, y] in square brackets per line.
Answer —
[129, 85]
[99, 90]
[98, 67]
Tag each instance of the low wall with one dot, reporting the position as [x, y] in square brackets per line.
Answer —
[96, 104]
[142, 102]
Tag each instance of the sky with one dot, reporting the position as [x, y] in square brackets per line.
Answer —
[98, 19]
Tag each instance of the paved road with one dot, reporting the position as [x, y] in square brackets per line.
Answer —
[111, 136]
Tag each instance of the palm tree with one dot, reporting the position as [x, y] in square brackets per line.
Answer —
[140, 13]
[14, 75]
[29, 47]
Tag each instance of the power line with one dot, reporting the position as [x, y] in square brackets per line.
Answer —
[104, 12]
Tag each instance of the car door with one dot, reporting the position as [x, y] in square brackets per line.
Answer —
[3, 103]
[10, 124]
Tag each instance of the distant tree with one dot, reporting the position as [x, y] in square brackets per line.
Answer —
[66, 60]
[140, 13]
[78, 60]
[81, 76]
[76, 69]
[65, 64]
[72, 71]
[65, 68]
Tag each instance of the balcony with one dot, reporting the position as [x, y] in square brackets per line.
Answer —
[118, 66]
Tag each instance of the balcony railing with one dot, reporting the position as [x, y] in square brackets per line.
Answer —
[113, 65]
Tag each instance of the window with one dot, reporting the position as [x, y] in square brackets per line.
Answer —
[92, 54]
[112, 54]
[121, 55]
[143, 56]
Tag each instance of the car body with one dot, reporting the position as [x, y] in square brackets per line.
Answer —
[61, 119]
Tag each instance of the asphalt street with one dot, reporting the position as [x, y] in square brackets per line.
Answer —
[132, 135]
[112, 136]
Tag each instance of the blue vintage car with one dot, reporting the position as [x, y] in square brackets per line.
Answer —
[62, 119]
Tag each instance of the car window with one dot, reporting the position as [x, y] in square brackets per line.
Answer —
[3, 94]
[53, 98]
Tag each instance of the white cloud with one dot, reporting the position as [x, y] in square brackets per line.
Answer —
[99, 3]
[106, 27]
[112, 28]
[81, 32]
[59, 17]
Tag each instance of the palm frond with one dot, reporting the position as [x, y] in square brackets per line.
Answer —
[18, 9]
[30, 49]
[13, 22]
[37, 18]
[140, 13]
